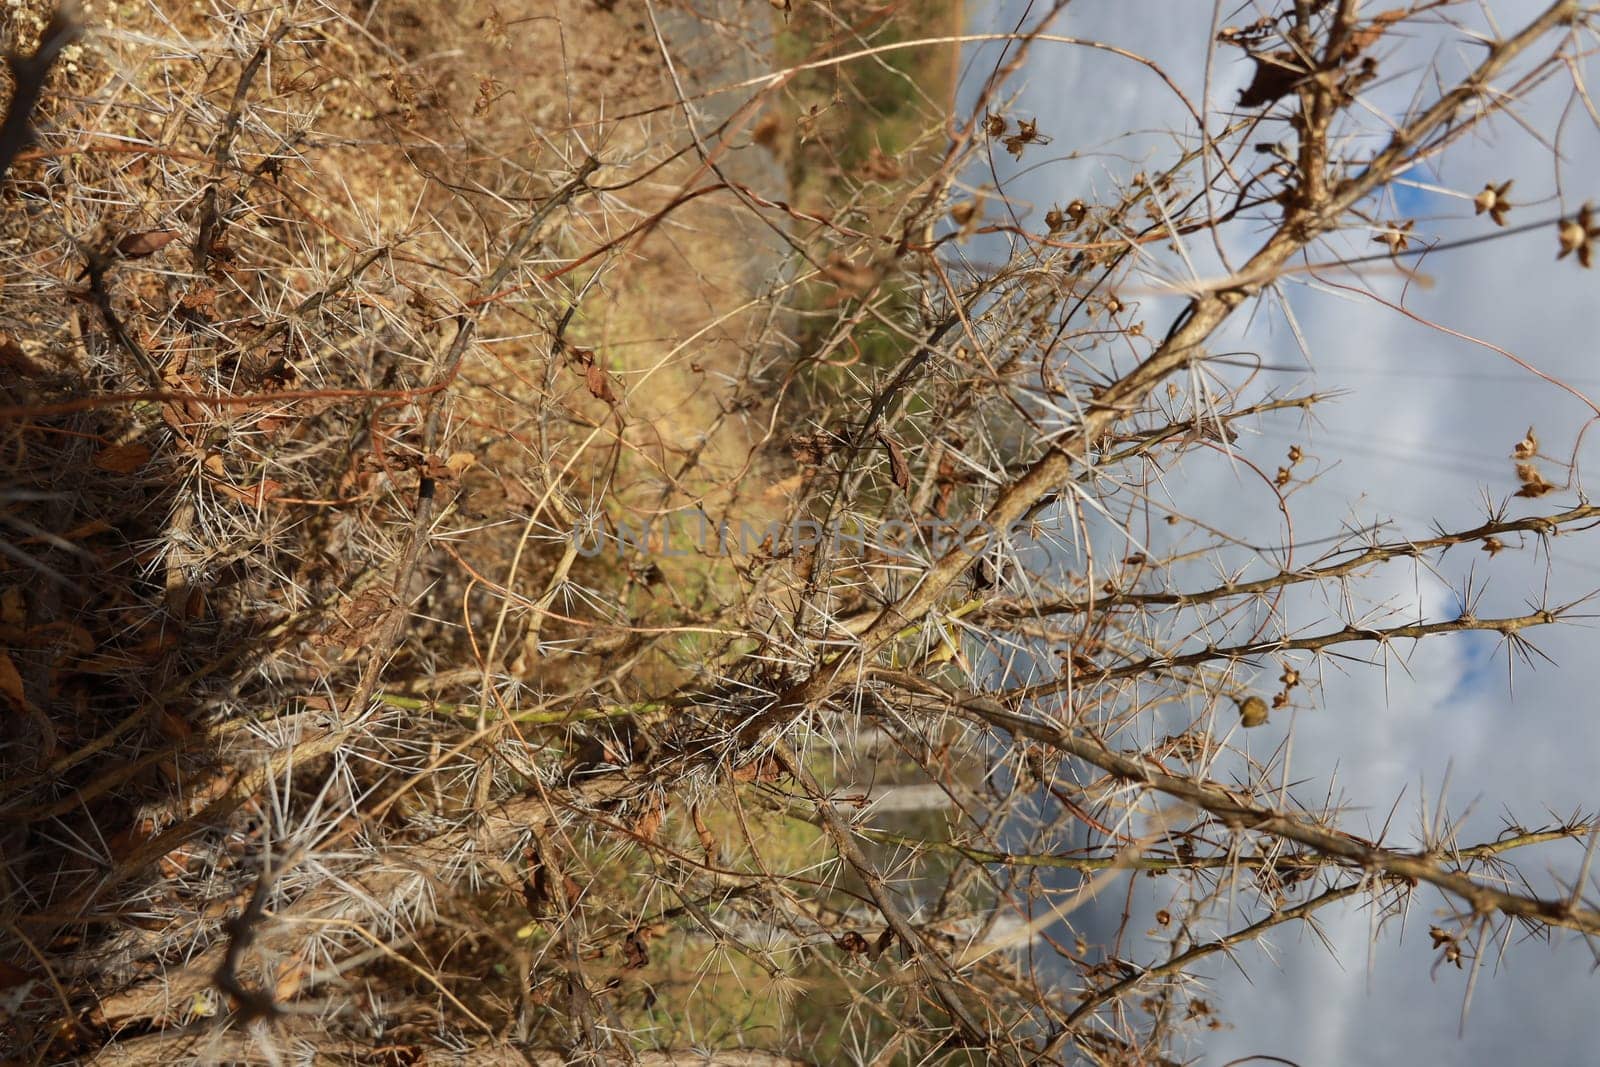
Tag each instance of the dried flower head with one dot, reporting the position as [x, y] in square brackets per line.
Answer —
[1397, 237]
[1493, 200]
[1577, 234]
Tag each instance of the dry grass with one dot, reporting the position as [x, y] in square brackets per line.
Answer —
[333, 269]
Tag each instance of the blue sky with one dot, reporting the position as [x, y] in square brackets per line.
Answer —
[1422, 433]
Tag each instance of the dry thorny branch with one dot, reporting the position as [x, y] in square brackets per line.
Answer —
[386, 668]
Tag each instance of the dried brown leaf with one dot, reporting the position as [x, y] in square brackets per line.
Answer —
[1276, 75]
[11, 684]
[853, 943]
[13, 607]
[899, 470]
[766, 132]
[812, 449]
[122, 459]
[599, 384]
[535, 886]
[636, 950]
[649, 821]
[254, 495]
[173, 726]
[763, 769]
[12, 976]
[1367, 36]
[200, 297]
[145, 243]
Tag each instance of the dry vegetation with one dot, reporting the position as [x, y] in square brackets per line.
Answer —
[325, 326]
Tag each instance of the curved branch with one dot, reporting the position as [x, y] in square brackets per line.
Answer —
[1239, 812]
